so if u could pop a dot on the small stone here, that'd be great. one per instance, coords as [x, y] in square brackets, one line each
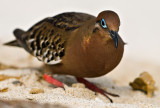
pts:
[4, 90]
[144, 83]
[4, 77]
[17, 83]
[78, 85]
[29, 98]
[36, 91]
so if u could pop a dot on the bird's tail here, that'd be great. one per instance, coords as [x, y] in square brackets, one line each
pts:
[18, 33]
[12, 43]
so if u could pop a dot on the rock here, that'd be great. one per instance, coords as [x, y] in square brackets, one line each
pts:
[144, 83]
[36, 91]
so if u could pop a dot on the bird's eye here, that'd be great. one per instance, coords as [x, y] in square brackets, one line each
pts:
[103, 24]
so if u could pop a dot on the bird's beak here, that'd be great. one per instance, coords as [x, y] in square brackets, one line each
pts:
[114, 36]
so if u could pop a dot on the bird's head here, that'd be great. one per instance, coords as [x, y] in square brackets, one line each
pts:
[108, 22]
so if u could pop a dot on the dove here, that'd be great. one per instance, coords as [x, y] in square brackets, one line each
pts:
[74, 43]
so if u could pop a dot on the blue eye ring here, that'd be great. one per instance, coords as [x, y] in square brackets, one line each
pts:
[103, 24]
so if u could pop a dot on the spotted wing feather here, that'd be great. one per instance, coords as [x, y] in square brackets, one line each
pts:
[47, 39]
[45, 44]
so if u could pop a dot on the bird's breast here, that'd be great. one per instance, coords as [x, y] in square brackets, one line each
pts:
[90, 58]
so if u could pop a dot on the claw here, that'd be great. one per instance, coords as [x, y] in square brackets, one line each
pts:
[114, 95]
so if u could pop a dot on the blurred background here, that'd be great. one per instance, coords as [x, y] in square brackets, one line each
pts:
[140, 20]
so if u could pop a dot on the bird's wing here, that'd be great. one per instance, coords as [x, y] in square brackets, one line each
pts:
[46, 39]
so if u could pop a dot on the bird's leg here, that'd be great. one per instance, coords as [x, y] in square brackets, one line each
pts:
[53, 81]
[96, 89]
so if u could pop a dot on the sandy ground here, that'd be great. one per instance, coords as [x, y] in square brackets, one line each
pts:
[21, 81]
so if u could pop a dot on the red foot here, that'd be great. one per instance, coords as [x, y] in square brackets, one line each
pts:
[95, 88]
[53, 81]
